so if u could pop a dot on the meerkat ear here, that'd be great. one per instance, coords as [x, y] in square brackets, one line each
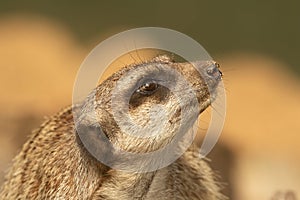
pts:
[93, 138]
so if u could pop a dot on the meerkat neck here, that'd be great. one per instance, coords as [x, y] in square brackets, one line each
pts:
[126, 185]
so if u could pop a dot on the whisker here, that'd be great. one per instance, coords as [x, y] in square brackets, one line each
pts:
[217, 111]
[137, 53]
[225, 70]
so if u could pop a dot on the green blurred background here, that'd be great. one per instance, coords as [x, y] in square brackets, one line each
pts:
[267, 27]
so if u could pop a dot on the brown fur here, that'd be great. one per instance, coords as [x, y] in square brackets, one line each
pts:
[54, 164]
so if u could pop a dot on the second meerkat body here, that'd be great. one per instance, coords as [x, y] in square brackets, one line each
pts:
[55, 164]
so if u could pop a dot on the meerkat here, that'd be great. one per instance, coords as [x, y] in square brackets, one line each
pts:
[55, 164]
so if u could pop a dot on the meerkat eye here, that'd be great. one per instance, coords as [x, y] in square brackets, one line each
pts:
[148, 88]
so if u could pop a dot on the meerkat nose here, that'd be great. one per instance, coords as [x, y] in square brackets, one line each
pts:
[213, 71]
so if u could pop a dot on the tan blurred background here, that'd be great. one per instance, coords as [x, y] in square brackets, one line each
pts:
[43, 44]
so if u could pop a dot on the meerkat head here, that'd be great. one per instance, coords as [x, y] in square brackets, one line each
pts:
[144, 107]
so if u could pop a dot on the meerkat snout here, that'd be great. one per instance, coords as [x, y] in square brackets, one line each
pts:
[213, 71]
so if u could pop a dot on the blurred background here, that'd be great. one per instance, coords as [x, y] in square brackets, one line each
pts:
[42, 45]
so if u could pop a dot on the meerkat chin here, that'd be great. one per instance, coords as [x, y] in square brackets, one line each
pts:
[139, 109]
